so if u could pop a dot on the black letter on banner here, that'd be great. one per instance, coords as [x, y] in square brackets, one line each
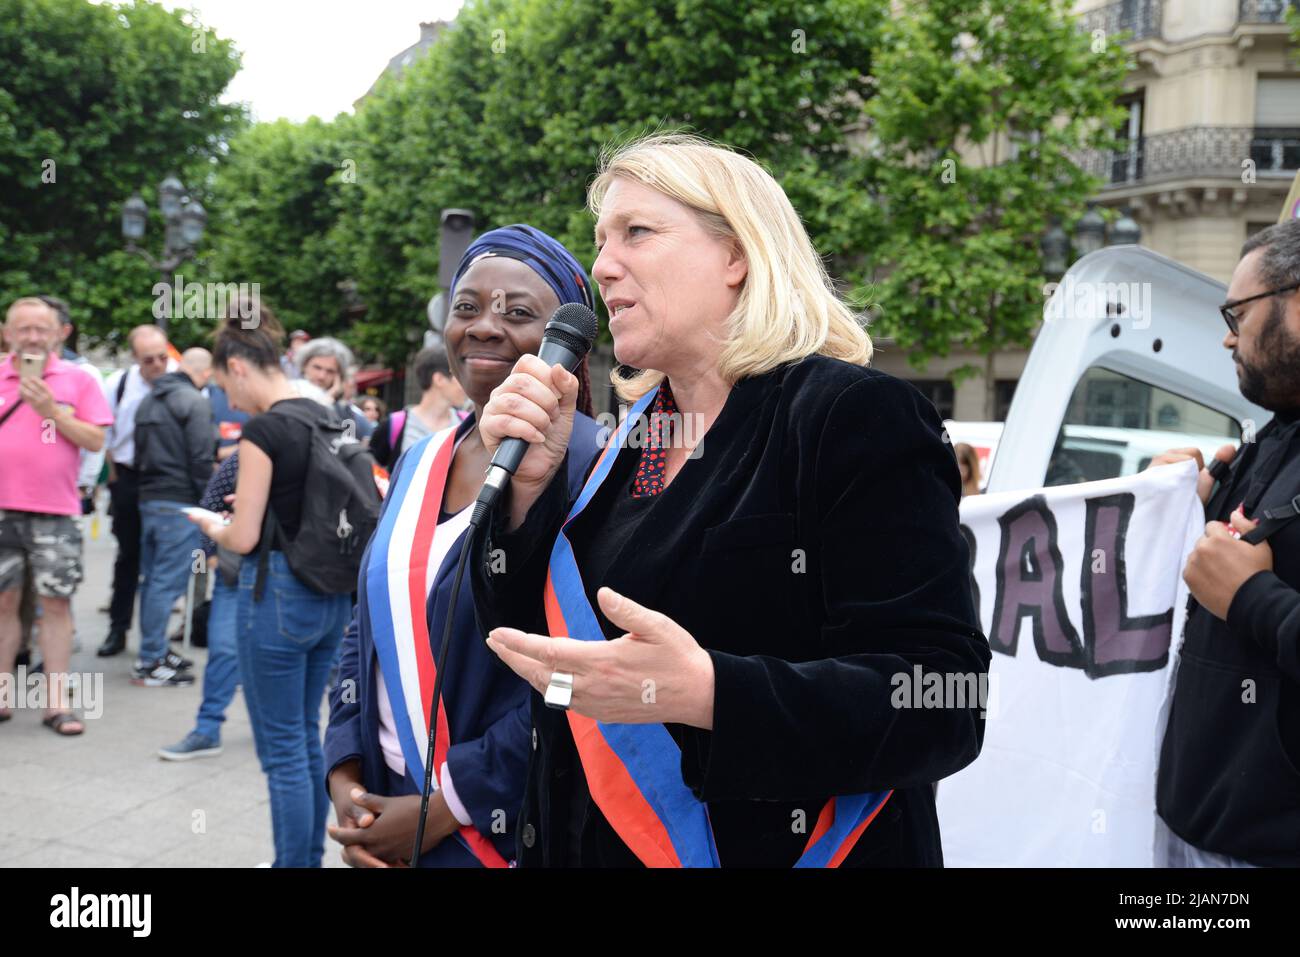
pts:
[1116, 643]
[967, 534]
[1029, 582]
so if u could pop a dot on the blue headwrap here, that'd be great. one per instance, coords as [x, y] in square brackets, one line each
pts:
[546, 257]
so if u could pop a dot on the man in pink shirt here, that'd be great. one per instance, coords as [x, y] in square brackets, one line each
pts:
[45, 421]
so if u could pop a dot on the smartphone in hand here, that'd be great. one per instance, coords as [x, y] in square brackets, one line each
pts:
[31, 366]
[196, 515]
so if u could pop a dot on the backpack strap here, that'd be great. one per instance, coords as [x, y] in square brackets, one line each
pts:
[121, 387]
[11, 410]
[396, 426]
[1272, 519]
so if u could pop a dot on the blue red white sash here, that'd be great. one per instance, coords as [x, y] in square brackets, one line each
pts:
[398, 579]
[634, 770]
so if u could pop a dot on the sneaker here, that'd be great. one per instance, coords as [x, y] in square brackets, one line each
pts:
[195, 745]
[176, 662]
[159, 675]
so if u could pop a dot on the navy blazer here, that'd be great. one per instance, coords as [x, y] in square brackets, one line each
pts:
[487, 704]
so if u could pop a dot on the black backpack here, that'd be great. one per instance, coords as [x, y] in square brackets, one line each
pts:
[340, 509]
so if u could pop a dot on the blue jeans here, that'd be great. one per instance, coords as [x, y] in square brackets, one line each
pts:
[221, 673]
[168, 542]
[287, 642]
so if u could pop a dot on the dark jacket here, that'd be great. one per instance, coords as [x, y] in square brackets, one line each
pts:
[487, 704]
[847, 465]
[1229, 779]
[386, 452]
[175, 446]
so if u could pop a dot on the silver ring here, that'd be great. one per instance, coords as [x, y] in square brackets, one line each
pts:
[559, 692]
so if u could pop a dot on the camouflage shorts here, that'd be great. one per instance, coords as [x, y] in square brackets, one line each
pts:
[49, 544]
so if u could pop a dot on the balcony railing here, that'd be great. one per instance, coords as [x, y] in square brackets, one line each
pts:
[1140, 19]
[1263, 11]
[1198, 151]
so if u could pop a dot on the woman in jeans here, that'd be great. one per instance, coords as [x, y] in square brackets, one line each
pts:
[288, 639]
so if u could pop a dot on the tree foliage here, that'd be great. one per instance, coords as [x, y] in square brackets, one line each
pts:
[926, 145]
[98, 102]
[508, 113]
[275, 200]
[979, 109]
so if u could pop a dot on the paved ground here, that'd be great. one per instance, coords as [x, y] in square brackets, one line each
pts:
[105, 798]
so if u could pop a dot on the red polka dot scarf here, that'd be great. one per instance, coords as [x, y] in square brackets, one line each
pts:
[662, 418]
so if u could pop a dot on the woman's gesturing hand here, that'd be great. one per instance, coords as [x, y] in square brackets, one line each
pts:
[536, 403]
[656, 672]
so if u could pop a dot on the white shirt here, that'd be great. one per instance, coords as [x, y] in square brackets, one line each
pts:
[416, 428]
[92, 463]
[119, 443]
[444, 536]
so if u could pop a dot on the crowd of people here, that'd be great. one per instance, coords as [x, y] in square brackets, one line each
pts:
[660, 684]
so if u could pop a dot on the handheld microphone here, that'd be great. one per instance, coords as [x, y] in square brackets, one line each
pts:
[567, 338]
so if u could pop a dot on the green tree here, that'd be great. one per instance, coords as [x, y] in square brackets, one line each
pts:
[274, 202]
[98, 102]
[507, 115]
[979, 108]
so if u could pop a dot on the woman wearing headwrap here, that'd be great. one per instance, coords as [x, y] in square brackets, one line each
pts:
[505, 289]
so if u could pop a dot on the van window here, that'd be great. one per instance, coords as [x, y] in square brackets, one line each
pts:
[1115, 424]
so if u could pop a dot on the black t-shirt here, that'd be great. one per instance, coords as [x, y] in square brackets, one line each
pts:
[286, 441]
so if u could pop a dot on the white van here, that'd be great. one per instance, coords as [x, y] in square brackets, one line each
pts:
[1129, 362]
[1088, 453]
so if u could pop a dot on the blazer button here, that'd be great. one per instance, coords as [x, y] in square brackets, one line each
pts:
[534, 739]
[529, 835]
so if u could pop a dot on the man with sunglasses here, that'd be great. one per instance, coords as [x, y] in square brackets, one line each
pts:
[1228, 788]
[125, 391]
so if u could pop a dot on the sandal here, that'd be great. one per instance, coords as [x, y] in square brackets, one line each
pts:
[58, 722]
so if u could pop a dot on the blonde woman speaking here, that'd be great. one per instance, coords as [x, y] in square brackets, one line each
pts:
[769, 545]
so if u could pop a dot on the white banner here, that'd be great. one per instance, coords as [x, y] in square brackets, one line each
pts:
[1081, 595]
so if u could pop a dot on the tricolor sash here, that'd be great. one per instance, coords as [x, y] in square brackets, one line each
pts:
[398, 579]
[634, 770]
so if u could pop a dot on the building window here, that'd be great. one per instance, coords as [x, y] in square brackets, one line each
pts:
[1276, 143]
[1126, 162]
[1004, 390]
[940, 394]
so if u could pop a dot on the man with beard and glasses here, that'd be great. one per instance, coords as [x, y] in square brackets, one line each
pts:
[1228, 787]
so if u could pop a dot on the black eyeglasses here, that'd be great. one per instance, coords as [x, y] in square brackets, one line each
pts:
[1229, 309]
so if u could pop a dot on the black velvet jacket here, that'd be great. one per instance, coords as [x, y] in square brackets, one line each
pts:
[813, 549]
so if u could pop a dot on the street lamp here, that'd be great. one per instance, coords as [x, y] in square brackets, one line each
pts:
[1055, 246]
[134, 214]
[1125, 230]
[185, 220]
[1089, 232]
